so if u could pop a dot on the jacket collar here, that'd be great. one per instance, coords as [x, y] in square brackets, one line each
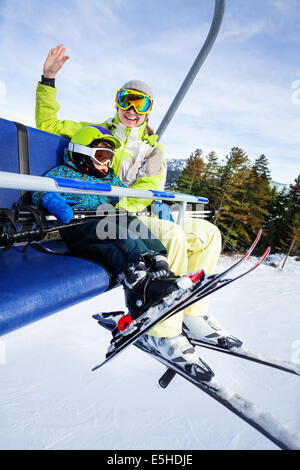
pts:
[68, 161]
[130, 133]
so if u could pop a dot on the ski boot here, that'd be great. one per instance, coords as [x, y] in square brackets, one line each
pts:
[146, 292]
[207, 329]
[181, 352]
[145, 288]
[158, 266]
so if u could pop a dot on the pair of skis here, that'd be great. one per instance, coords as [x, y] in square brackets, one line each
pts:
[246, 410]
[249, 412]
[243, 408]
[263, 422]
[201, 289]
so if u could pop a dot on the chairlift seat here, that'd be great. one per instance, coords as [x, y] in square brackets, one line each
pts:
[34, 284]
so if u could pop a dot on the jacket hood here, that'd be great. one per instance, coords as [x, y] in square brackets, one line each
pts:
[68, 161]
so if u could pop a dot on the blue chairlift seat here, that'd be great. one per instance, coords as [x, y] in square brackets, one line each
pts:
[34, 284]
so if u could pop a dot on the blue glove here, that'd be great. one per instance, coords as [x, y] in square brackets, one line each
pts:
[58, 206]
[163, 211]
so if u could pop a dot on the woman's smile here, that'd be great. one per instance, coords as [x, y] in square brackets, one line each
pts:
[130, 118]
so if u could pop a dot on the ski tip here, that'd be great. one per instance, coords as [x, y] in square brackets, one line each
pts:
[98, 366]
[266, 253]
[258, 235]
[104, 362]
[96, 316]
[252, 247]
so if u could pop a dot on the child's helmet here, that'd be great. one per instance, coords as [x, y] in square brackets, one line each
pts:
[86, 135]
[91, 136]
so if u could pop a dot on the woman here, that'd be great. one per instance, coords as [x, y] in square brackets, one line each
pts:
[138, 263]
[139, 163]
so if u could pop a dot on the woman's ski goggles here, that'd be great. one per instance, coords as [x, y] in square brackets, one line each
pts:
[141, 102]
[101, 155]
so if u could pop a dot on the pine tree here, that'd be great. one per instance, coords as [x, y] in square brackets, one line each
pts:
[276, 225]
[190, 179]
[258, 195]
[232, 210]
[283, 224]
[210, 182]
[292, 218]
[294, 197]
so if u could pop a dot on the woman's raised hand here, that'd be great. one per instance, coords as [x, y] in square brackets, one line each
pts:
[54, 62]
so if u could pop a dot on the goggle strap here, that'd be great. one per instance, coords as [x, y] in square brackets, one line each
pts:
[81, 149]
[89, 151]
[135, 92]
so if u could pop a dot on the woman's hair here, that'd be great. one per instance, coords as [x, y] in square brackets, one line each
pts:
[148, 129]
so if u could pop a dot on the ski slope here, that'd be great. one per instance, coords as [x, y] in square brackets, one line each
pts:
[50, 399]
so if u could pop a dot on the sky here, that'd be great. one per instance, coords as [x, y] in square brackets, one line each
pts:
[247, 94]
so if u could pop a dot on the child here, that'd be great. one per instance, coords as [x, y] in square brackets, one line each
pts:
[139, 263]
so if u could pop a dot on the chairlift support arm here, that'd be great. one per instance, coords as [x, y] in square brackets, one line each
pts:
[212, 35]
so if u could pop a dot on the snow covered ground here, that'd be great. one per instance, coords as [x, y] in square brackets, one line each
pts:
[50, 399]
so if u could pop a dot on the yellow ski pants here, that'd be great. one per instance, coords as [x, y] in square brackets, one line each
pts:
[196, 245]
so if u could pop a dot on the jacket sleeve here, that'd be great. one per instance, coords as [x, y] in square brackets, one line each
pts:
[46, 114]
[37, 196]
[152, 176]
[77, 201]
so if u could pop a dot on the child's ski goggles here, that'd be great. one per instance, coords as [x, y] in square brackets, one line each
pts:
[141, 102]
[101, 155]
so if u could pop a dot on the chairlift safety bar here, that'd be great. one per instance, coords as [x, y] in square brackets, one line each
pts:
[63, 185]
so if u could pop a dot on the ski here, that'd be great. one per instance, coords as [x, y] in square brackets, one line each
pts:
[243, 408]
[209, 285]
[263, 422]
[244, 353]
[168, 376]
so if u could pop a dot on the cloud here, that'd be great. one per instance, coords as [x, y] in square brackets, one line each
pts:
[279, 5]
[242, 31]
[251, 111]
